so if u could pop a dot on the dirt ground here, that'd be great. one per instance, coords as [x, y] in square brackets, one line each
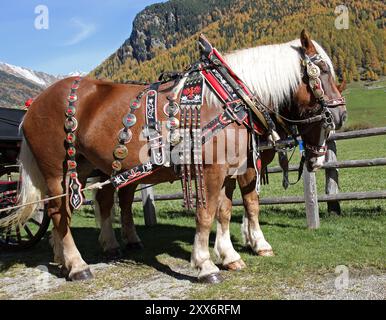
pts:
[127, 280]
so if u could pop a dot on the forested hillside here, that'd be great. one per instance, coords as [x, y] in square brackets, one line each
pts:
[357, 53]
[14, 91]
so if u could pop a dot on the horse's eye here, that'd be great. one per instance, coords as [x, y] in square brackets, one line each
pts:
[324, 67]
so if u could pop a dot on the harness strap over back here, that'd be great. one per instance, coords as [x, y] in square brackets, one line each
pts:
[222, 77]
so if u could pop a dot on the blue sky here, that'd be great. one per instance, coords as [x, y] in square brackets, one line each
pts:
[80, 36]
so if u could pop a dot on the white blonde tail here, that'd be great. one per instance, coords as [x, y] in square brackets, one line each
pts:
[32, 189]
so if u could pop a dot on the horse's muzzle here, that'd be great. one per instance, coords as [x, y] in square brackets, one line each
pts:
[315, 163]
[340, 118]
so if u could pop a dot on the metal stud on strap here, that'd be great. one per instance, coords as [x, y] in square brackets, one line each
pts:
[71, 152]
[313, 70]
[72, 98]
[70, 111]
[121, 152]
[125, 136]
[71, 138]
[135, 104]
[171, 109]
[129, 120]
[117, 165]
[172, 123]
[71, 124]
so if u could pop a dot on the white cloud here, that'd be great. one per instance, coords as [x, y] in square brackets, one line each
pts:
[85, 31]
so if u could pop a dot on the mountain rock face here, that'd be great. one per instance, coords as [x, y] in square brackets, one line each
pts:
[162, 26]
[164, 35]
[18, 84]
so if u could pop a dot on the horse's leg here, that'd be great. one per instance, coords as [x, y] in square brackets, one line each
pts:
[129, 233]
[65, 251]
[103, 211]
[223, 247]
[251, 228]
[208, 271]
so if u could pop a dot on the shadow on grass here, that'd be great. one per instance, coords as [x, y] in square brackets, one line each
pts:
[161, 239]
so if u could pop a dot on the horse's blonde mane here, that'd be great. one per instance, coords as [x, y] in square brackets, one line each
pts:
[272, 72]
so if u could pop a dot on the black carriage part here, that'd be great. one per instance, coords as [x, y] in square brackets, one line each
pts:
[10, 135]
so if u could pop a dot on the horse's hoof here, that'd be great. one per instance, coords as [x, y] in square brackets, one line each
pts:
[265, 253]
[112, 254]
[236, 266]
[64, 272]
[80, 276]
[135, 246]
[213, 278]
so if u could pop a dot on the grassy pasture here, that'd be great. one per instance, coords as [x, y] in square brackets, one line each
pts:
[366, 104]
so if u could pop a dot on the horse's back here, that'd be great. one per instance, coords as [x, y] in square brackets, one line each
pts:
[97, 107]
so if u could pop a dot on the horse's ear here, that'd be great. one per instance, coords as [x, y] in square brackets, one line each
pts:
[341, 87]
[307, 44]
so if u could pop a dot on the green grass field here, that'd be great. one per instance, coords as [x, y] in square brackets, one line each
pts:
[366, 104]
[355, 239]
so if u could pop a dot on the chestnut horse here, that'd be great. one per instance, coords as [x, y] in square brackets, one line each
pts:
[272, 65]
[100, 105]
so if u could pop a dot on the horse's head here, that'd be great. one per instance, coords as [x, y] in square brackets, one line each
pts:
[319, 100]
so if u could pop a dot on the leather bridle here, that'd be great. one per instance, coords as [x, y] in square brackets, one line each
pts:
[313, 72]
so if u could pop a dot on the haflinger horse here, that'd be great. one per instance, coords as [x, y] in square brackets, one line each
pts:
[98, 106]
[275, 74]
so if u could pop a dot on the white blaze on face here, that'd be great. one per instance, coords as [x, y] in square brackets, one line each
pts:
[320, 161]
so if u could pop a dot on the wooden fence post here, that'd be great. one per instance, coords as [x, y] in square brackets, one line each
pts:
[148, 205]
[332, 178]
[311, 199]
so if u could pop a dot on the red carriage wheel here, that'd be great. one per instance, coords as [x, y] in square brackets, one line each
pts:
[19, 237]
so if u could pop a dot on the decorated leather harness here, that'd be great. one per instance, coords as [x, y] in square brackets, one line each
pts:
[187, 136]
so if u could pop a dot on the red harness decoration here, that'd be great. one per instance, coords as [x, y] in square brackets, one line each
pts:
[28, 103]
[227, 93]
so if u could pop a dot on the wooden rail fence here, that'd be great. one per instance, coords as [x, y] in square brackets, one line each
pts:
[310, 197]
